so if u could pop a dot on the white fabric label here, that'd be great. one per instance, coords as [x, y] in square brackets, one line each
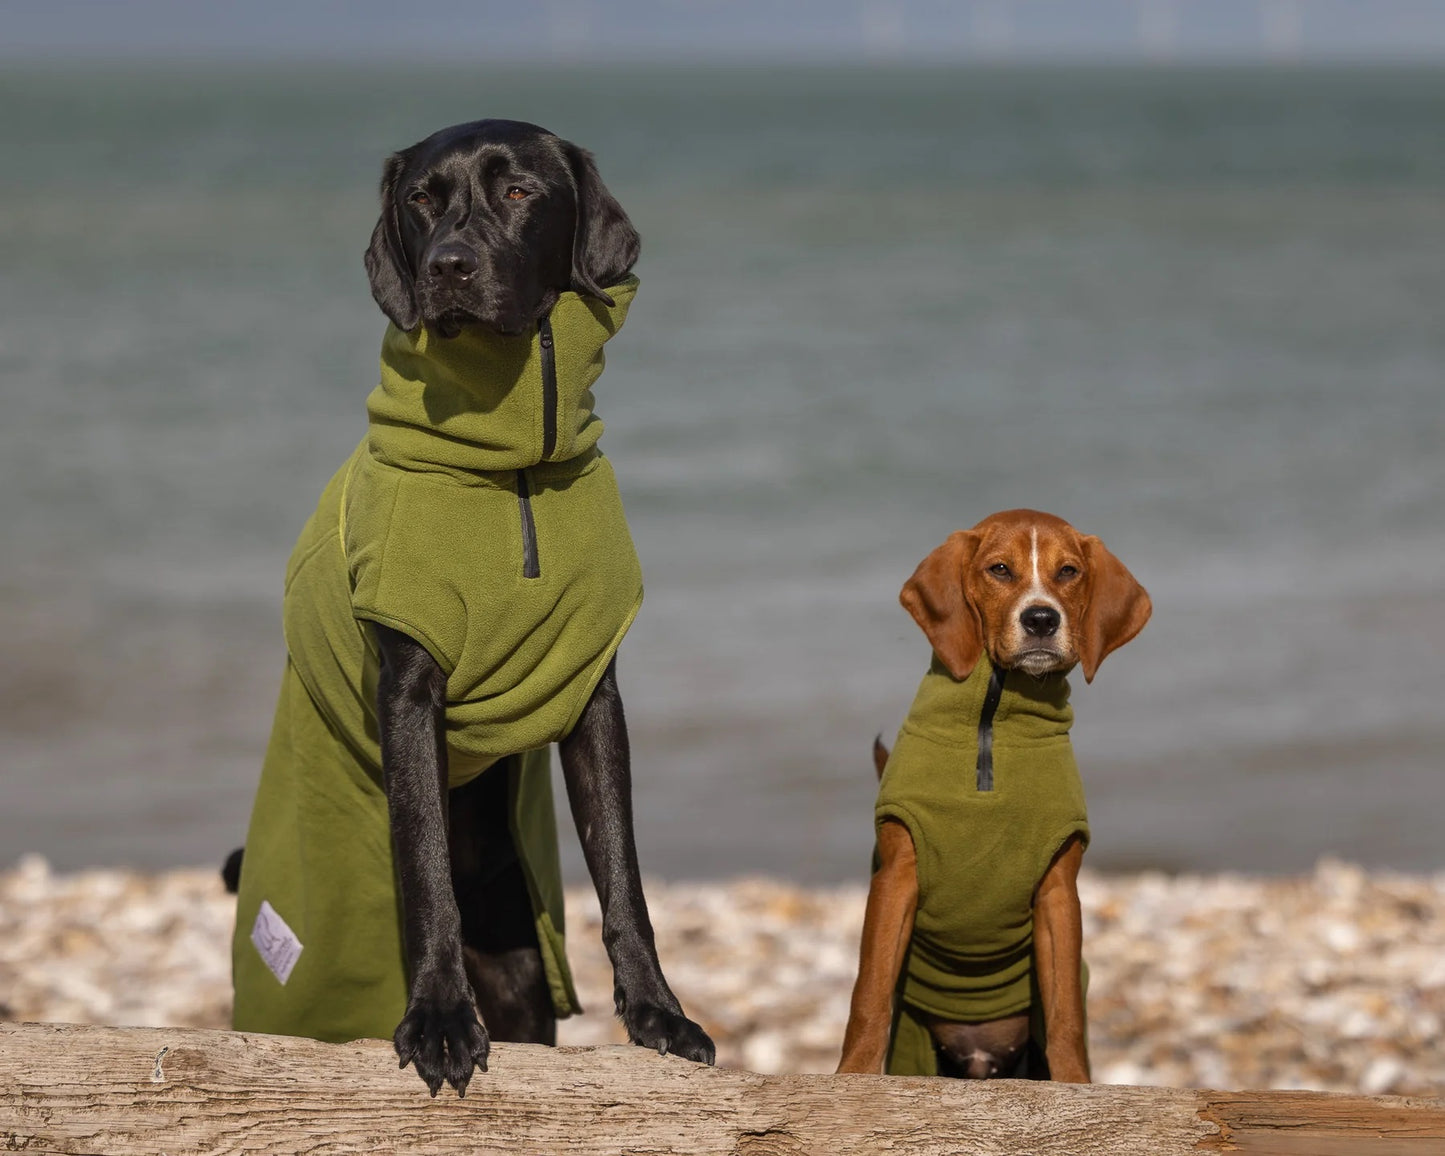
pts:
[276, 942]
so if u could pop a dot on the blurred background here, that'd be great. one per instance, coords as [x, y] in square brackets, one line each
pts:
[1172, 269]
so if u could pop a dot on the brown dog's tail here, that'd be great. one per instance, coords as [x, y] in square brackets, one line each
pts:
[880, 755]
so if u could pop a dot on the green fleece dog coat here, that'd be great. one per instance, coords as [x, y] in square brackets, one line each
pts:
[478, 517]
[982, 848]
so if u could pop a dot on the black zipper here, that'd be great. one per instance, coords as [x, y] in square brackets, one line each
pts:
[549, 388]
[531, 564]
[991, 699]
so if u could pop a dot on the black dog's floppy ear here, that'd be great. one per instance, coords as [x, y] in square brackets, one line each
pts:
[392, 283]
[605, 245]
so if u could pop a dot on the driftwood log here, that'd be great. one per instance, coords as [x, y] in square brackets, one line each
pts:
[117, 1091]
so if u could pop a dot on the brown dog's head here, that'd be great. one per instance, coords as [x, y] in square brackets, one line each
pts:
[1030, 590]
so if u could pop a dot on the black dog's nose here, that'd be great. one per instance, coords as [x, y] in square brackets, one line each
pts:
[1040, 621]
[454, 263]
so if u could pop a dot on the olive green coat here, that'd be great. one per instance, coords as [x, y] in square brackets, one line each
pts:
[981, 853]
[478, 517]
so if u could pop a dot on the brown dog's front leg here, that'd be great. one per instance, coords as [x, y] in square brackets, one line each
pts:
[440, 1031]
[887, 928]
[596, 764]
[1058, 954]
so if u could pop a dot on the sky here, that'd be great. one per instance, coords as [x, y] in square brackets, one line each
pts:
[725, 30]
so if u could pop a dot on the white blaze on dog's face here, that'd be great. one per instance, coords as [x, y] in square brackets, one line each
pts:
[1030, 590]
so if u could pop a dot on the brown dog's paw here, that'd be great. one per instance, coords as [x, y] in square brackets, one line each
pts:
[651, 1026]
[445, 1040]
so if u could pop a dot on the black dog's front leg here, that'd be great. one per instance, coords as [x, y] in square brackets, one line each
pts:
[596, 763]
[440, 1031]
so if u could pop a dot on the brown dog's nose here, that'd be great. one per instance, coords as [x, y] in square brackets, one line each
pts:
[452, 263]
[1039, 621]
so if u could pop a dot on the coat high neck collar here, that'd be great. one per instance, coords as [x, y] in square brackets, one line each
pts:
[1029, 709]
[480, 402]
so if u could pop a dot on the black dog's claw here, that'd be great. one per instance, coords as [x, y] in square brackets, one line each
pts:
[651, 1026]
[444, 1040]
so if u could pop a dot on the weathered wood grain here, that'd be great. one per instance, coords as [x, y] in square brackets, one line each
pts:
[1323, 1124]
[121, 1091]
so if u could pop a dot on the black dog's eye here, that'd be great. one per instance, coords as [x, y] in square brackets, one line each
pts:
[1000, 570]
[418, 197]
[516, 193]
[1067, 571]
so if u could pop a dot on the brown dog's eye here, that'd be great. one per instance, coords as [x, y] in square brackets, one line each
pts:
[516, 193]
[999, 569]
[1068, 572]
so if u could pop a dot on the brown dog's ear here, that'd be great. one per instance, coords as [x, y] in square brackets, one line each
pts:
[605, 246]
[392, 282]
[936, 599]
[1118, 607]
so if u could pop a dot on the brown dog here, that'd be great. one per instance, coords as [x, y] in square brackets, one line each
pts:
[972, 937]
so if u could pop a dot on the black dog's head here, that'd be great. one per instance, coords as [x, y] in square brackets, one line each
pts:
[486, 223]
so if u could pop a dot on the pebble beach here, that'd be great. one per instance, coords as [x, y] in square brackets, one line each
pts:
[1332, 981]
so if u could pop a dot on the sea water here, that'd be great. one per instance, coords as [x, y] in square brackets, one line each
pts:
[1198, 312]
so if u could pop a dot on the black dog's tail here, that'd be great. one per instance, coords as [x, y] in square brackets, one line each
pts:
[880, 760]
[231, 870]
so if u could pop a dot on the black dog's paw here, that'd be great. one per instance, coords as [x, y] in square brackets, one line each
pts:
[651, 1026]
[445, 1040]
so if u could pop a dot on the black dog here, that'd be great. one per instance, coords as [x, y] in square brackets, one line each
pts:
[486, 224]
